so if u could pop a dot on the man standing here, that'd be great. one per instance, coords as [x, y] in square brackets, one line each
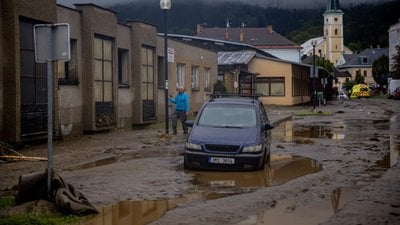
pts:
[182, 107]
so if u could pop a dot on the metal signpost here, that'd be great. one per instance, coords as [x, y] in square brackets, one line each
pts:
[51, 44]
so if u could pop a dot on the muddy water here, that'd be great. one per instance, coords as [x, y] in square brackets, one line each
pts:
[290, 131]
[212, 185]
[207, 186]
[291, 212]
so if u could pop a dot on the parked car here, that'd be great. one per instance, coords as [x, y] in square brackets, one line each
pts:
[360, 91]
[229, 133]
[392, 86]
[396, 93]
[342, 96]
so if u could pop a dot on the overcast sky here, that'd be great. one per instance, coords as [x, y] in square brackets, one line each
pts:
[276, 3]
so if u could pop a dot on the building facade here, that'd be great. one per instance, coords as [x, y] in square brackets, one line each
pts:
[394, 40]
[112, 80]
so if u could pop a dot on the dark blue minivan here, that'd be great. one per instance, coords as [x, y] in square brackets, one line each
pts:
[229, 133]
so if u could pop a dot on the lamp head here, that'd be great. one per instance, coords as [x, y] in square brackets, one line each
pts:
[314, 43]
[165, 4]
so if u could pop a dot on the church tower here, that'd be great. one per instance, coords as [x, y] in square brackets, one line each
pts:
[333, 31]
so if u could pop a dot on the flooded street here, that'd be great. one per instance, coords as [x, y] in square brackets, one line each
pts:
[321, 168]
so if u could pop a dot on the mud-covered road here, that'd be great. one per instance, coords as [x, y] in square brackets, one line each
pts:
[339, 169]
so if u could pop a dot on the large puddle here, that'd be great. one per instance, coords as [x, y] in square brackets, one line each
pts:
[207, 186]
[213, 185]
[307, 213]
[347, 129]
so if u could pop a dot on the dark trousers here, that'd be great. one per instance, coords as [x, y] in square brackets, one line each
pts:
[181, 115]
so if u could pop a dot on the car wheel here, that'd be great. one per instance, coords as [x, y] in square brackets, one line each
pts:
[185, 164]
[265, 159]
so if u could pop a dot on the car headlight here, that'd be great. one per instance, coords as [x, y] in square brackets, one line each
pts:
[193, 146]
[253, 148]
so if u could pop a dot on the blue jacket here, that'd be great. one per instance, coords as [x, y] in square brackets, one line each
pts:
[182, 102]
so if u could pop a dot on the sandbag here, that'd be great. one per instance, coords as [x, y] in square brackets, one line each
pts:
[67, 199]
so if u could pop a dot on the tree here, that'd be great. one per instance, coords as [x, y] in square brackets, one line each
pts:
[396, 64]
[380, 70]
[326, 64]
[359, 79]
[348, 85]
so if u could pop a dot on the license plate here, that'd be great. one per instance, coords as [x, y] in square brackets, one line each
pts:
[221, 160]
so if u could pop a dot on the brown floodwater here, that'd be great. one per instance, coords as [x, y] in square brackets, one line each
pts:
[213, 185]
[307, 213]
[206, 186]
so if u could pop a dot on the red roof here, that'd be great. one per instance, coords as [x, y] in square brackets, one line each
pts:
[260, 37]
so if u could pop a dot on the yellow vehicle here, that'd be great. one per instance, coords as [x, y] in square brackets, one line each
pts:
[359, 91]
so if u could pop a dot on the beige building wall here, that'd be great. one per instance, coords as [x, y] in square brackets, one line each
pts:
[365, 72]
[11, 12]
[95, 21]
[1, 72]
[143, 35]
[188, 56]
[70, 92]
[74, 81]
[272, 68]
[125, 90]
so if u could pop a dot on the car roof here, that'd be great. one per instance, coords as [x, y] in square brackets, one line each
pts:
[234, 100]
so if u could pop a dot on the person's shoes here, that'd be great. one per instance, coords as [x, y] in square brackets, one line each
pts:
[185, 132]
[174, 133]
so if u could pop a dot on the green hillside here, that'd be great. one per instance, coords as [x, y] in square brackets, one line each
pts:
[364, 25]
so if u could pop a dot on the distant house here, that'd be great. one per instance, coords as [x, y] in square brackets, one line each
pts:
[362, 64]
[245, 69]
[264, 38]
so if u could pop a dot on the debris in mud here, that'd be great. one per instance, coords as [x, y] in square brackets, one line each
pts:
[304, 141]
[8, 154]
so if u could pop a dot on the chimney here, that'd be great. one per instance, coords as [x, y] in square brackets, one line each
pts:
[241, 35]
[200, 28]
[226, 33]
[269, 28]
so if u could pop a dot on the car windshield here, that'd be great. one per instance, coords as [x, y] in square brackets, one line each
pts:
[228, 116]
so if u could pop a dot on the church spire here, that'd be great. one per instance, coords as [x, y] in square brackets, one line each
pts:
[333, 6]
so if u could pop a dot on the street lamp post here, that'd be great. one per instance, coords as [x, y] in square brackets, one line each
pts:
[165, 5]
[313, 43]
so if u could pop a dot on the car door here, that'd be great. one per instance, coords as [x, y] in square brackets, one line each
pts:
[265, 133]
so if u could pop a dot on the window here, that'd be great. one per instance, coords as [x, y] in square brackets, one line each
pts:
[147, 85]
[103, 69]
[207, 79]
[160, 71]
[123, 67]
[271, 86]
[180, 75]
[195, 78]
[365, 73]
[364, 60]
[147, 73]
[336, 32]
[67, 72]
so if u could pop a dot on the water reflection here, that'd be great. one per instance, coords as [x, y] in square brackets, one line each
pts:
[289, 131]
[282, 168]
[394, 140]
[207, 186]
[308, 213]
